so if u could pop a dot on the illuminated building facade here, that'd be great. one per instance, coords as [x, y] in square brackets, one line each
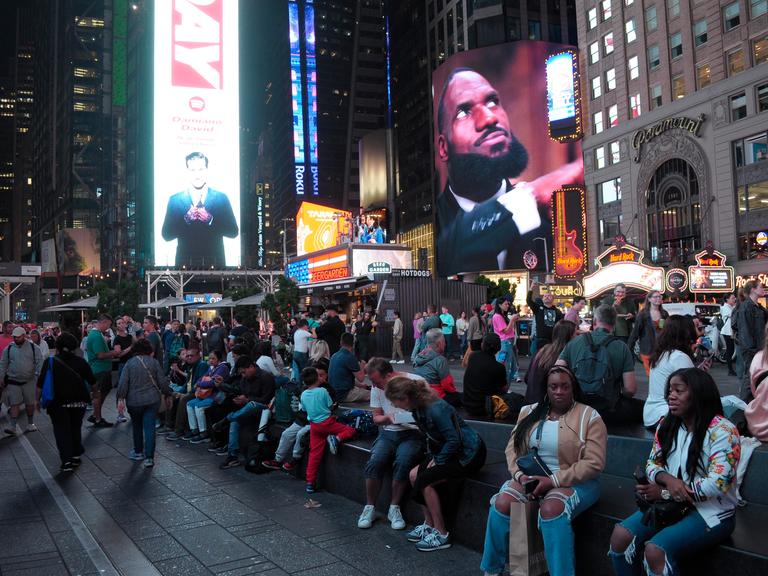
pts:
[7, 219]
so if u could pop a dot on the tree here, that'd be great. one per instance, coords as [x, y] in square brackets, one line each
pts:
[282, 304]
[249, 314]
[497, 289]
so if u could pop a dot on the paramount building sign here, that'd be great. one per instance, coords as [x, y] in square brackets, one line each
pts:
[645, 135]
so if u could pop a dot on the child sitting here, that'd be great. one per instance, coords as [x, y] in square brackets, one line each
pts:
[204, 388]
[291, 447]
[323, 427]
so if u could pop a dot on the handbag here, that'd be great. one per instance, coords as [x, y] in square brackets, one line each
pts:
[161, 407]
[662, 513]
[531, 464]
[46, 397]
[526, 545]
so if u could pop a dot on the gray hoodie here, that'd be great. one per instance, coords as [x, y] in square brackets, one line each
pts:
[21, 363]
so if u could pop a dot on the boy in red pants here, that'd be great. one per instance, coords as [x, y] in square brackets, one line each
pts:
[323, 427]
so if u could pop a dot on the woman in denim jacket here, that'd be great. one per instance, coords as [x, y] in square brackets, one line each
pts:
[454, 451]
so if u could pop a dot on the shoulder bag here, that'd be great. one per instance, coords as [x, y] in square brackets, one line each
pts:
[659, 514]
[531, 464]
[161, 407]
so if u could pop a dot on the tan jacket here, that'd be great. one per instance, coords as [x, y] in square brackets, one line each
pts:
[582, 442]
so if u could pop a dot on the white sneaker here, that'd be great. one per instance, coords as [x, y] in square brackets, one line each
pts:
[366, 518]
[395, 518]
[32, 428]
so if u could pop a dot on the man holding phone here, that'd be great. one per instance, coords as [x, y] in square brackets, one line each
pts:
[399, 445]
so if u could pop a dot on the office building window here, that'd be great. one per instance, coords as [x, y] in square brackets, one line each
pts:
[703, 76]
[651, 22]
[600, 157]
[731, 16]
[608, 43]
[760, 50]
[613, 116]
[615, 153]
[738, 107]
[609, 229]
[634, 106]
[609, 191]
[656, 96]
[534, 30]
[752, 249]
[606, 9]
[757, 8]
[676, 45]
[750, 150]
[673, 8]
[592, 18]
[753, 196]
[597, 122]
[629, 2]
[629, 27]
[678, 87]
[610, 79]
[634, 67]
[762, 98]
[735, 61]
[597, 89]
[654, 59]
[700, 32]
[594, 53]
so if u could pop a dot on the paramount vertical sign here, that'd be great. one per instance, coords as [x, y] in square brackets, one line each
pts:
[196, 110]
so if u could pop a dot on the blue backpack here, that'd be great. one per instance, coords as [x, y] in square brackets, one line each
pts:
[46, 397]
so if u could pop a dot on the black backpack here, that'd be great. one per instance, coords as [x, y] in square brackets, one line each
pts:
[595, 375]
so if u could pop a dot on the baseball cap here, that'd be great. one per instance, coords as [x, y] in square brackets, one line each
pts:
[18, 331]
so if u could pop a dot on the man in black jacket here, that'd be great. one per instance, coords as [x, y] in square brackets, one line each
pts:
[750, 318]
[331, 330]
[257, 390]
[486, 377]
[546, 316]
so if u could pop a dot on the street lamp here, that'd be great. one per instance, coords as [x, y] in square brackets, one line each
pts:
[546, 253]
[284, 233]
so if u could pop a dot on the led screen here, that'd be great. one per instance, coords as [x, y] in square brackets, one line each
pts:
[496, 166]
[379, 261]
[196, 134]
[562, 92]
[319, 227]
[329, 266]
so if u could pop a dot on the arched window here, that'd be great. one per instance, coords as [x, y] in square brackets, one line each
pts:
[673, 212]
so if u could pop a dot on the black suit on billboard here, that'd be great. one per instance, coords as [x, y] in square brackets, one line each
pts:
[471, 241]
[200, 244]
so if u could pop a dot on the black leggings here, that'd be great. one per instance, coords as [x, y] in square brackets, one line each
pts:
[67, 427]
[449, 477]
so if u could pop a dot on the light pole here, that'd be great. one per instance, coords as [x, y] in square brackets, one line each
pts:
[285, 235]
[546, 254]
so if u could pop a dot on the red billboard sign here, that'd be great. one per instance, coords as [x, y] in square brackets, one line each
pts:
[570, 232]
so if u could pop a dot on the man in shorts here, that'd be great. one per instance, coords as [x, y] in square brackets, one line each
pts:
[100, 358]
[20, 365]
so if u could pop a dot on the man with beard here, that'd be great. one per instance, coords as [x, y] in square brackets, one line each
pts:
[486, 221]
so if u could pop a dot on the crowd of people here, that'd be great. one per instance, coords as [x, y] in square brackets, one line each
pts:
[178, 382]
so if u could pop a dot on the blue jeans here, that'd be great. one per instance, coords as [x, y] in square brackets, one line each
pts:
[234, 424]
[685, 538]
[196, 412]
[556, 532]
[403, 450]
[508, 357]
[300, 361]
[143, 426]
[463, 343]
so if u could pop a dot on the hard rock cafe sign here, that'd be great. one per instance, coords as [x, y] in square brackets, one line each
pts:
[645, 135]
[623, 264]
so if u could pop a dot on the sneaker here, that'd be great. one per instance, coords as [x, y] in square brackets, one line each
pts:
[220, 425]
[32, 428]
[67, 467]
[16, 431]
[191, 434]
[417, 534]
[161, 430]
[367, 517]
[122, 418]
[215, 447]
[200, 438]
[433, 541]
[231, 462]
[272, 464]
[310, 488]
[491, 573]
[173, 436]
[75, 461]
[395, 518]
[289, 466]
[92, 418]
[222, 450]
[149, 462]
[102, 424]
[333, 444]
[133, 455]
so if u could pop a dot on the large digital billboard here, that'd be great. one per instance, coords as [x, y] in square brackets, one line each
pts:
[78, 251]
[496, 164]
[196, 134]
[330, 265]
[319, 227]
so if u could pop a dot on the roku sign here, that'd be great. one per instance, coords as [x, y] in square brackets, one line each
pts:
[197, 44]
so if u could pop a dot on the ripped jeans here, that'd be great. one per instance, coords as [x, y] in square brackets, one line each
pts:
[685, 538]
[556, 532]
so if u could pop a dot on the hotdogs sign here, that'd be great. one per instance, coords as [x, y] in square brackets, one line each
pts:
[645, 135]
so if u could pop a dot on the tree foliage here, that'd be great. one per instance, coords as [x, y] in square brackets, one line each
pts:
[497, 289]
[283, 303]
[249, 314]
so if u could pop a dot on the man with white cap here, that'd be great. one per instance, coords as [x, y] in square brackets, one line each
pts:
[20, 365]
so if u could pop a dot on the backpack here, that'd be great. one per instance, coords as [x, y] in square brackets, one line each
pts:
[360, 420]
[283, 406]
[595, 376]
[176, 345]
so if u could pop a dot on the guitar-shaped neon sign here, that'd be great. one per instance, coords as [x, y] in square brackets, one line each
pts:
[569, 258]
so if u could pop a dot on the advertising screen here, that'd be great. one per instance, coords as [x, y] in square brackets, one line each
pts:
[329, 266]
[196, 134]
[78, 251]
[379, 261]
[319, 227]
[496, 164]
[562, 96]
[570, 232]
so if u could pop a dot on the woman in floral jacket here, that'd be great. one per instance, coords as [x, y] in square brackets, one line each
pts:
[694, 459]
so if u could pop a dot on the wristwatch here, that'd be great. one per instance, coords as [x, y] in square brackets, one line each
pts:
[665, 495]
